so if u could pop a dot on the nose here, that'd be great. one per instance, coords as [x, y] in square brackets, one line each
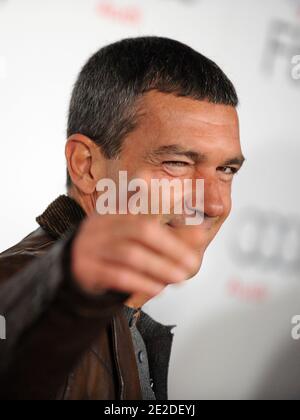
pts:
[213, 202]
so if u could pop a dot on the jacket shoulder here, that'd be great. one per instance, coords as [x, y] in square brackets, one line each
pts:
[17, 257]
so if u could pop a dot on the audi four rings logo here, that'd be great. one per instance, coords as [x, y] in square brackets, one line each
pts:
[267, 240]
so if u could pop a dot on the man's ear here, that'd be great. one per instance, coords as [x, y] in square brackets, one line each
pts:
[84, 162]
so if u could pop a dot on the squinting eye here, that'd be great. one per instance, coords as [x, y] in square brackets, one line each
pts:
[228, 170]
[176, 163]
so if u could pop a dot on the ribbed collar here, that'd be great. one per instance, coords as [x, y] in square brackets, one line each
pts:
[61, 216]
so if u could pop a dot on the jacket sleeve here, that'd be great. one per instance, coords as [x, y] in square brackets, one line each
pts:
[49, 325]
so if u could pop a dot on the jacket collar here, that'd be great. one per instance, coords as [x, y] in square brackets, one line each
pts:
[62, 216]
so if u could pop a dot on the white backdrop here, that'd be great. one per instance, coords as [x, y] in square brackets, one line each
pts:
[233, 335]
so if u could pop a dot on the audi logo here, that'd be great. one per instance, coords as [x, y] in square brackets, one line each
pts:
[269, 241]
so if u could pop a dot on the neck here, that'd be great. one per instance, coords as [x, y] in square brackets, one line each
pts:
[137, 301]
[86, 201]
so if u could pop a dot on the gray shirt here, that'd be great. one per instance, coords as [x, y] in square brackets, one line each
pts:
[140, 354]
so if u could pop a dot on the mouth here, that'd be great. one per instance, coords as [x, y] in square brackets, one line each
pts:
[169, 225]
[175, 222]
[208, 223]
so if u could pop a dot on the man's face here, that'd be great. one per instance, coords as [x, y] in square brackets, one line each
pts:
[186, 139]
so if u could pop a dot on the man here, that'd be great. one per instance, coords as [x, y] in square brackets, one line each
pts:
[72, 291]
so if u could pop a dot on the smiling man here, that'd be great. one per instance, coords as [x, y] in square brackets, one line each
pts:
[73, 290]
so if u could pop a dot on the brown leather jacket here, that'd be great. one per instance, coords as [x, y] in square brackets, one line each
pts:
[60, 343]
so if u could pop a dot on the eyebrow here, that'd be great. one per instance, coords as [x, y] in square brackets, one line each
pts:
[239, 160]
[197, 157]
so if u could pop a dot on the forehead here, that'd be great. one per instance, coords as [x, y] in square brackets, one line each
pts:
[167, 119]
